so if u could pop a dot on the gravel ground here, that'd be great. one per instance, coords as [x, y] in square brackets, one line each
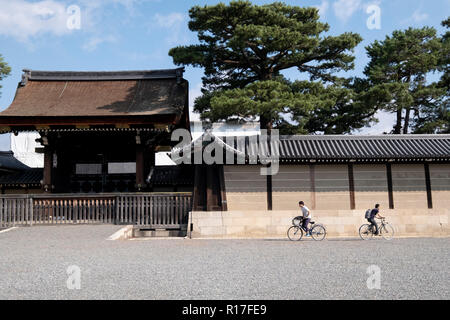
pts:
[33, 264]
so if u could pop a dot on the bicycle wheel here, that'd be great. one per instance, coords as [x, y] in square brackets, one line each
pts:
[318, 232]
[295, 233]
[387, 232]
[365, 232]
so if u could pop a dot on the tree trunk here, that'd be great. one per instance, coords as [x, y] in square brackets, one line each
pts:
[398, 126]
[406, 123]
[408, 113]
[266, 124]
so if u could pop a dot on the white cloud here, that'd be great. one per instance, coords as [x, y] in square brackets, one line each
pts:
[129, 5]
[26, 19]
[171, 20]
[175, 24]
[323, 8]
[344, 9]
[142, 57]
[93, 42]
[418, 16]
[22, 19]
[93, 11]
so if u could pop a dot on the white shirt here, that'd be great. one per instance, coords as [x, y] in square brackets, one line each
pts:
[305, 211]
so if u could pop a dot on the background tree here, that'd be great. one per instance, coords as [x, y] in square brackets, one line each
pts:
[445, 57]
[333, 109]
[4, 70]
[445, 80]
[437, 119]
[444, 64]
[242, 44]
[397, 75]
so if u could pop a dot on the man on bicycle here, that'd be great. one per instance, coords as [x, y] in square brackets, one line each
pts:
[306, 217]
[375, 213]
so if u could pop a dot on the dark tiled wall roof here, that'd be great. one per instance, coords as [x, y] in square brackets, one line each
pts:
[352, 147]
[8, 162]
[31, 176]
[366, 147]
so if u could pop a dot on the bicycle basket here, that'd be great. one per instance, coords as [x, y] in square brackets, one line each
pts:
[297, 221]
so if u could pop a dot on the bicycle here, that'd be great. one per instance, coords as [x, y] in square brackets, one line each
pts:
[295, 233]
[386, 230]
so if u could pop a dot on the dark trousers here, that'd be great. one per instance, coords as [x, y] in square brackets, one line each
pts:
[372, 222]
[305, 224]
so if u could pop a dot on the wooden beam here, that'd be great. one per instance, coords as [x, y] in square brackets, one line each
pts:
[42, 127]
[390, 186]
[161, 126]
[46, 122]
[163, 148]
[428, 185]
[351, 186]
[78, 126]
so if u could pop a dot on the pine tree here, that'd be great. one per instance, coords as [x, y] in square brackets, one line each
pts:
[5, 70]
[244, 47]
[397, 75]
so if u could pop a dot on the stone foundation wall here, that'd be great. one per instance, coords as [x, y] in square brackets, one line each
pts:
[339, 223]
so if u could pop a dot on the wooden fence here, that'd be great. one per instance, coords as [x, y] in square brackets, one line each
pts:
[165, 210]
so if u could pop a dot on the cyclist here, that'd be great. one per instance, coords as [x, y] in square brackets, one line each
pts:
[306, 217]
[375, 213]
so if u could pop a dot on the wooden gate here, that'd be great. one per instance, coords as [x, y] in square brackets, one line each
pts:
[153, 210]
[159, 211]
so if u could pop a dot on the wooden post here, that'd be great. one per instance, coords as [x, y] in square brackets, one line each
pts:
[30, 208]
[269, 192]
[209, 188]
[351, 186]
[390, 187]
[140, 179]
[223, 192]
[48, 164]
[312, 181]
[428, 185]
[197, 189]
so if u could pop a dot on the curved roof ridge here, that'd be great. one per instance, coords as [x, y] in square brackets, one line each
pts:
[364, 137]
[44, 75]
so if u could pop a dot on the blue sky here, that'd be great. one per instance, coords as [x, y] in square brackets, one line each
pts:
[137, 34]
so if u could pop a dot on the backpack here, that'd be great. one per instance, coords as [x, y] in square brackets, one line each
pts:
[368, 212]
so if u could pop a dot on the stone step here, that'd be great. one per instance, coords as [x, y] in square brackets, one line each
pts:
[159, 233]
